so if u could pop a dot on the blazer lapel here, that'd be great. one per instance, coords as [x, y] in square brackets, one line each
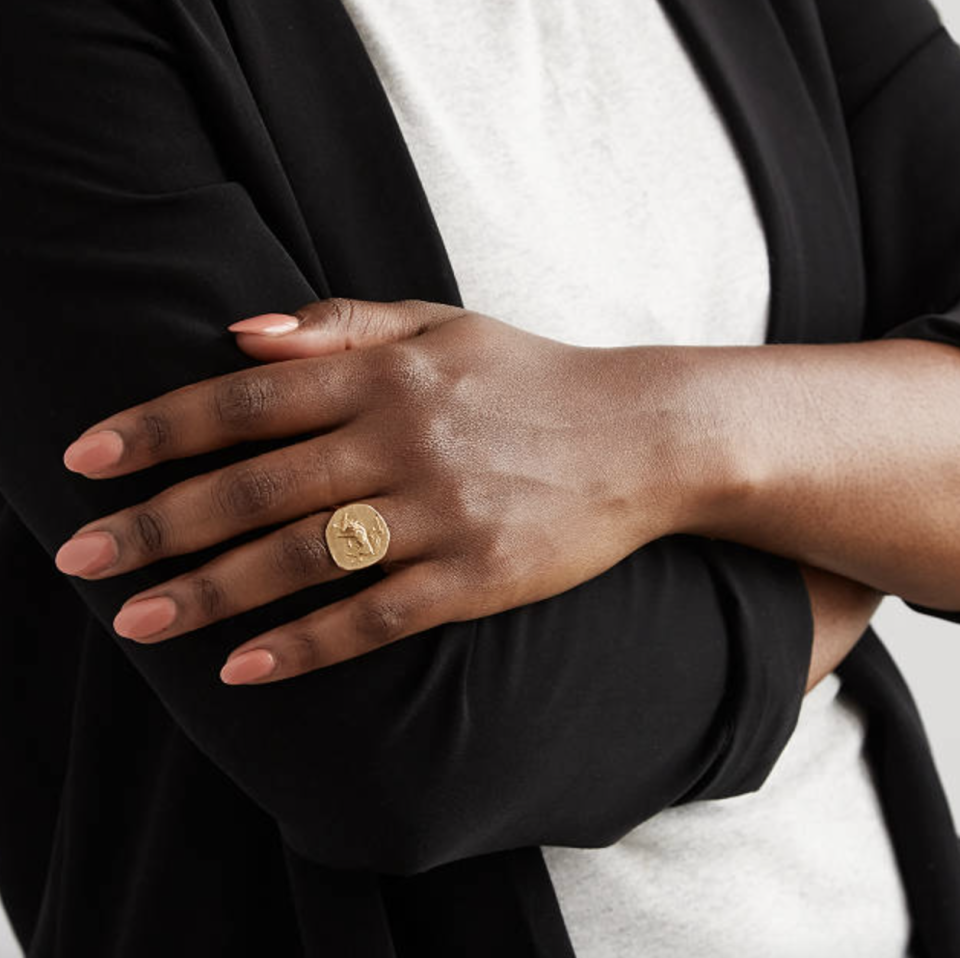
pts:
[325, 161]
[802, 182]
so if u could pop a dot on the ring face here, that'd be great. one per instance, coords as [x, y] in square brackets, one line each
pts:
[357, 536]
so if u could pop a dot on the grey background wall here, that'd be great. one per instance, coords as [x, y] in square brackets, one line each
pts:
[927, 650]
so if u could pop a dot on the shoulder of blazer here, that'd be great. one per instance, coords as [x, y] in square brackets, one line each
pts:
[865, 50]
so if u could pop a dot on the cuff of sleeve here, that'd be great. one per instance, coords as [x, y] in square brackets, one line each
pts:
[948, 614]
[938, 326]
[771, 647]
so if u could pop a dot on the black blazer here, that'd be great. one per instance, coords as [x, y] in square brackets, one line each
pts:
[169, 166]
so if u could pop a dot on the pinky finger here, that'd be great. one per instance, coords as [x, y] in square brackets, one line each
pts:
[410, 600]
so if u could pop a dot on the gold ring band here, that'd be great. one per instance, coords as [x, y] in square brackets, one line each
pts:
[357, 536]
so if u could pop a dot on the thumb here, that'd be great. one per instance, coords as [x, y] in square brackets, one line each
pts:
[335, 324]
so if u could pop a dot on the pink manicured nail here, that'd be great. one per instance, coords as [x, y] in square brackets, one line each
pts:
[87, 553]
[269, 324]
[145, 617]
[99, 450]
[248, 667]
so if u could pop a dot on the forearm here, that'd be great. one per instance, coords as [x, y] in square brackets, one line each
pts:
[846, 457]
[842, 610]
[678, 669]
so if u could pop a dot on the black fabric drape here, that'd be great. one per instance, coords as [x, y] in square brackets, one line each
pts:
[169, 167]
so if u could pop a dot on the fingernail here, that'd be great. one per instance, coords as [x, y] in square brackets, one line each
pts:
[248, 667]
[145, 617]
[99, 450]
[268, 324]
[87, 553]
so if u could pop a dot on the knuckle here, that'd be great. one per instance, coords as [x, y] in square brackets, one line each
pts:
[356, 321]
[423, 314]
[247, 491]
[302, 554]
[301, 650]
[210, 597]
[240, 401]
[376, 326]
[325, 467]
[341, 311]
[157, 432]
[491, 559]
[150, 532]
[378, 621]
[408, 369]
[490, 573]
[318, 465]
[501, 553]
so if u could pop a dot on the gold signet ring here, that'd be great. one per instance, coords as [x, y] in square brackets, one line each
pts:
[357, 536]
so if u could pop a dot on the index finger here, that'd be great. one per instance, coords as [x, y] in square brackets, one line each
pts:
[273, 400]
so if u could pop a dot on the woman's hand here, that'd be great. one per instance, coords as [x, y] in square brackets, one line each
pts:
[504, 463]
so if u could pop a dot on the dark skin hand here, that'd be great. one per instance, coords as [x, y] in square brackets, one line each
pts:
[461, 433]
[508, 466]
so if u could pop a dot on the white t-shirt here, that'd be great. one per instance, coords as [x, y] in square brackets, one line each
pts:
[586, 189]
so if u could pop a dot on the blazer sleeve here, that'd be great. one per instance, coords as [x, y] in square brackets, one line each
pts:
[898, 77]
[125, 250]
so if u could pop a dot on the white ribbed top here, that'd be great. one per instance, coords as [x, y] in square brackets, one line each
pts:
[586, 189]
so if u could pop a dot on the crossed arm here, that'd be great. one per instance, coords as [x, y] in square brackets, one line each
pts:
[465, 733]
[511, 468]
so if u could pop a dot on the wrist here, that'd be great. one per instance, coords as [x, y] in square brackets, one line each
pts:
[729, 458]
[688, 461]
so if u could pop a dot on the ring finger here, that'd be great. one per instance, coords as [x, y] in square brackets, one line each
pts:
[255, 573]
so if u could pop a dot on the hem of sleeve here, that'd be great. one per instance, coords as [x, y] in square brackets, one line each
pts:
[772, 644]
[938, 326]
